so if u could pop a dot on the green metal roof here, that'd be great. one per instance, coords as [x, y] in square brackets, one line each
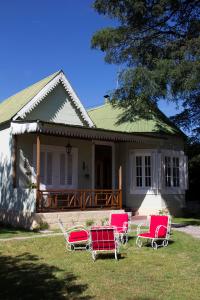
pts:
[10, 106]
[108, 117]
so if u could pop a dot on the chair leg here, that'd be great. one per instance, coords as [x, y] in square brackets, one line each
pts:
[70, 247]
[139, 242]
[94, 255]
[126, 238]
[154, 245]
[165, 243]
[116, 254]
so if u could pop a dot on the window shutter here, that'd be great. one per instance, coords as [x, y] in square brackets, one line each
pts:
[154, 170]
[159, 168]
[132, 172]
[183, 172]
[69, 169]
[49, 168]
[162, 178]
[62, 168]
[186, 171]
[42, 167]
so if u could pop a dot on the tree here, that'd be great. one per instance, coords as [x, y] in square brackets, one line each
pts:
[193, 153]
[158, 44]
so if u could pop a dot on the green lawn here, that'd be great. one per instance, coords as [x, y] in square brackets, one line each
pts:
[186, 221]
[9, 232]
[42, 269]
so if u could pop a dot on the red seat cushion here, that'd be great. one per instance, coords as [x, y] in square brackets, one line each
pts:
[146, 235]
[78, 236]
[103, 239]
[120, 221]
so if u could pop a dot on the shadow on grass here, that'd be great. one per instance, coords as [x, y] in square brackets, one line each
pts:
[23, 277]
[8, 229]
[105, 256]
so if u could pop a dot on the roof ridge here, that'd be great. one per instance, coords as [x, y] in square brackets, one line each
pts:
[97, 107]
[108, 117]
[10, 106]
[53, 75]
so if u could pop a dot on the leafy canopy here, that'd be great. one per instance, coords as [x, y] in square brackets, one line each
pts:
[158, 44]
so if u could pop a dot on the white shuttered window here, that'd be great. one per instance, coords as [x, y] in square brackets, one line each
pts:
[142, 171]
[152, 171]
[58, 169]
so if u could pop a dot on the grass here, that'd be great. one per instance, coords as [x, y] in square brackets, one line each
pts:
[11, 232]
[187, 221]
[43, 269]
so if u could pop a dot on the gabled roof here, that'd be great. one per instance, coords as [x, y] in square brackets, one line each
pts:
[18, 105]
[118, 119]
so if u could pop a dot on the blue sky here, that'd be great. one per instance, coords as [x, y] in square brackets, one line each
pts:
[41, 37]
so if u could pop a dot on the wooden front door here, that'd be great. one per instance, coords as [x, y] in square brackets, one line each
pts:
[103, 167]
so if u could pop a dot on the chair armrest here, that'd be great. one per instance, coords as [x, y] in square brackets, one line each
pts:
[77, 227]
[139, 227]
[126, 226]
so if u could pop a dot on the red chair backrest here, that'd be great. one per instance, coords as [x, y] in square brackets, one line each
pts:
[119, 220]
[156, 221]
[78, 236]
[103, 239]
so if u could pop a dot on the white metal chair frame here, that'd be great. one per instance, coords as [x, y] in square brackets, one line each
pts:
[117, 246]
[76, 245]
[123, 237]
[154, 240]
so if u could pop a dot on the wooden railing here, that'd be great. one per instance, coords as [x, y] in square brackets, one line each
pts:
[54, 200]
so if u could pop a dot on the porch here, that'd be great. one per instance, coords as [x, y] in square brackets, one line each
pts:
[69, 172]
[64, 200]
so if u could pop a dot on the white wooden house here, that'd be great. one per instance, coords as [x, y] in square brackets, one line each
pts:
[56, 156]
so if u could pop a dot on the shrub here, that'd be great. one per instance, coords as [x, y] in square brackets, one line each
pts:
[89, 222]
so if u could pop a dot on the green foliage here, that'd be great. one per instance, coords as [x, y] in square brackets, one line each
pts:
[158, 44]
[163, 212]
[89, 222]
[193, 152]
[41, 226]
[104, 221]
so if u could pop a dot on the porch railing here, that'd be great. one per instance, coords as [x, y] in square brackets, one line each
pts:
[53, 200]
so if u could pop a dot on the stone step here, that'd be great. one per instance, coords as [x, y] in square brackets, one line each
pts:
[73, 218]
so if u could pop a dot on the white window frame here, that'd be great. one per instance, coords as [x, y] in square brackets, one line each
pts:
[56, 151]
[183, 172]
[158, 171]
[134, 189]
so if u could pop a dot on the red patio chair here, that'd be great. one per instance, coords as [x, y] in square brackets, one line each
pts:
[103, 239]
[121, 224]
[159, 230]
[76, 237]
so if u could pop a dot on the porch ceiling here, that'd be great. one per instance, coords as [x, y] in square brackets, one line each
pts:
[56, 129]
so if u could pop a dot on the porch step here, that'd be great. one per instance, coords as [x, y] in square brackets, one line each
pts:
[72, 218]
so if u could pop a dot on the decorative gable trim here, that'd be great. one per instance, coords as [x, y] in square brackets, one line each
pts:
[75, 100]
[60, 78]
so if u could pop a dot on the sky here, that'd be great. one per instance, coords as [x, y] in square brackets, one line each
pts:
[40, 37]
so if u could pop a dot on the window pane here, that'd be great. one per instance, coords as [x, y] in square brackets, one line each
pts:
[49, 168]
[139, 171]
[167, 171]
[176, 177]
[42, 167]
[69, 169]
[147, 170]
[62, 168]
